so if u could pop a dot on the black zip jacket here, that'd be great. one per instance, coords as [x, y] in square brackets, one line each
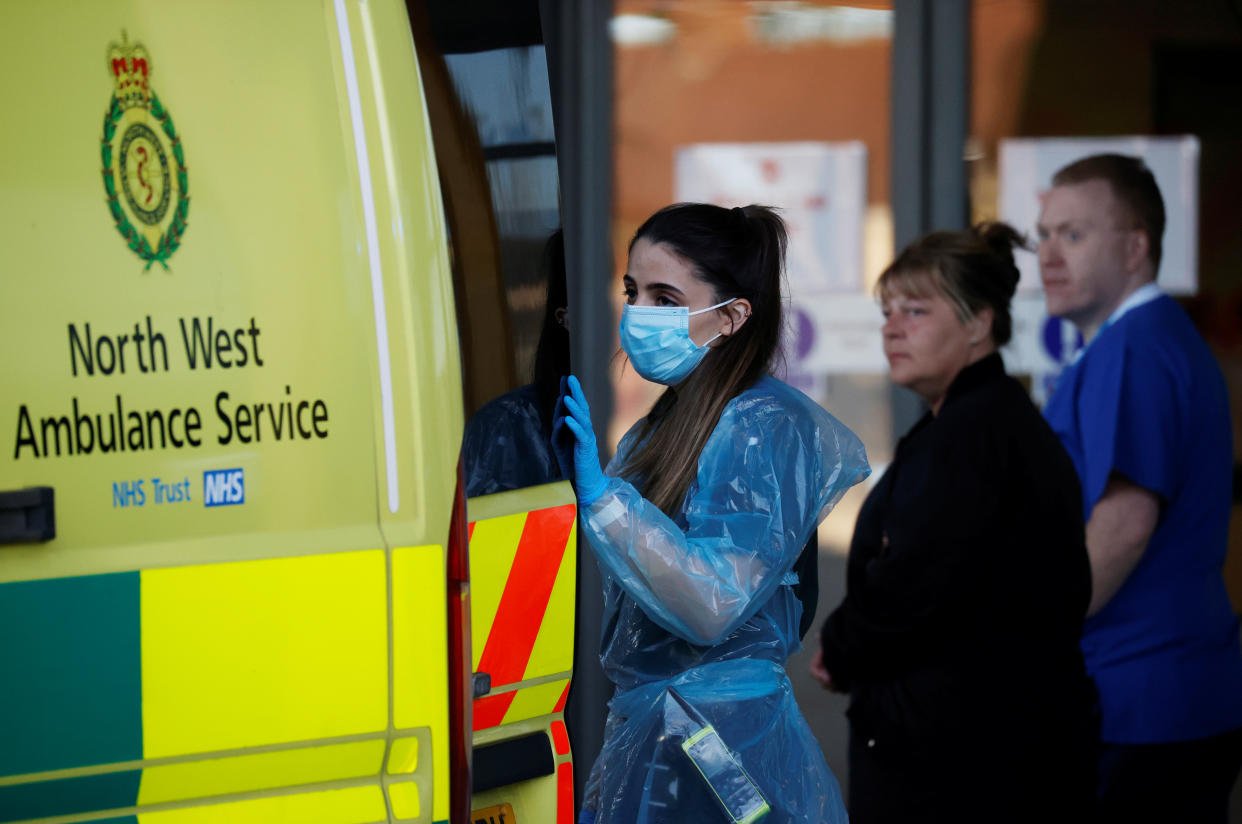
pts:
[968, 582]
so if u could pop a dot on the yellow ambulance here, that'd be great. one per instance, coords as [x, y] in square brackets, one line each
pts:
[235, 579]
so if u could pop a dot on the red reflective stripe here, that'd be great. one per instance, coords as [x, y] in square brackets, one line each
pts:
[490, 710]
[560, 705]
[470, 531]
[525, 599]
[565, 794]
[560, 737]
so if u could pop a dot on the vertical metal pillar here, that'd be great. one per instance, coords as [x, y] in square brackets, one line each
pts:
[579, 54]
[930, 119]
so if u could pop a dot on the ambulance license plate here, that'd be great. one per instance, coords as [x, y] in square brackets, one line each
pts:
[502, 814]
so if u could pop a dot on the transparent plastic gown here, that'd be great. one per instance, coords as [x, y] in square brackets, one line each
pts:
[700, 617]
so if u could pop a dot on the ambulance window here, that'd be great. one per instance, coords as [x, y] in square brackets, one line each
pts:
[505, 93]
[491, 112]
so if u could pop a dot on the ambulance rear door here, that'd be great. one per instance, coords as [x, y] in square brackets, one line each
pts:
[488, 94]
[231, 376]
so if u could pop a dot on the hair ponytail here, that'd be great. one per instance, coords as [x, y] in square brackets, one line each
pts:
[740, 253]
[1002, 239]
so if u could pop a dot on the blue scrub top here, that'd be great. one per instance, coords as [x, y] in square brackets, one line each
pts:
[1147, 400]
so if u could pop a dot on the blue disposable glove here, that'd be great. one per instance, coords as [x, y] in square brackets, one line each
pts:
[562, 438]
[589, 479]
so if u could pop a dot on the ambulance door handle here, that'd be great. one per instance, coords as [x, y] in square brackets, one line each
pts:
[482, 684]
[27, 515]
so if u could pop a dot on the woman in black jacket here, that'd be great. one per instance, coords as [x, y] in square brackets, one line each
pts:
[968, 577]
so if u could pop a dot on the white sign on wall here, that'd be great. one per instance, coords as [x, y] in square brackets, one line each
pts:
[820, 188]
[1043, 346]
[821, 191]
[1028, 164]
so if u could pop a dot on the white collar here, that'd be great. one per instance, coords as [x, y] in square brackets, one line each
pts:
[1144, 294]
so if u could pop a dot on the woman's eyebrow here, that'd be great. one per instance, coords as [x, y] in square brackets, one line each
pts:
[667, 287]
[628, 280]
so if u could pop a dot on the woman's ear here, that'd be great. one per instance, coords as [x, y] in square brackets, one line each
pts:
[980, 326]
[737, 313]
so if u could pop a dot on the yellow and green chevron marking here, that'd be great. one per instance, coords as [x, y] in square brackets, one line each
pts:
[261, 685]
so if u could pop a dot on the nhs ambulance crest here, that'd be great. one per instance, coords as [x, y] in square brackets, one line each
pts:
[144, 170]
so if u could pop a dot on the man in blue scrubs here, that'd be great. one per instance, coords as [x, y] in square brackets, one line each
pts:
[1144, 414]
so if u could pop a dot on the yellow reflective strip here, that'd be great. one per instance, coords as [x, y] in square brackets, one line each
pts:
[531, 702]
[263, 652]
[242, 773]
[352, 805]
[493, 546]
[526, 499]
[553, 650]
[404, 798]
[420, 656]
[404, 756]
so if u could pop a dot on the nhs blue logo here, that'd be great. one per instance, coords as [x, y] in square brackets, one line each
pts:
[224, 487]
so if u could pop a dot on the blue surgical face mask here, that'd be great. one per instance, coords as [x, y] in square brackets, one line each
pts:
[657, 341]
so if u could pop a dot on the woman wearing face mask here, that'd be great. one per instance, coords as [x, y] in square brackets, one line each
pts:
[968, 578]
[696, 525]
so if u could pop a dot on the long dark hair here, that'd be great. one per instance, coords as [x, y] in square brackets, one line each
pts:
[740, 253]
